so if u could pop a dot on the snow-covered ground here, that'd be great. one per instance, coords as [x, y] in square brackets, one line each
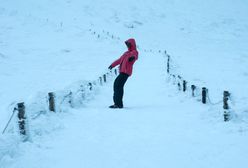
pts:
[54, 45]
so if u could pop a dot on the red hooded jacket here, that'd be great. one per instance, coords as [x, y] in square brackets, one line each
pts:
[125, 65]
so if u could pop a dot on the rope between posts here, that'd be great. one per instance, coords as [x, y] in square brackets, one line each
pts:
[198, 93]
[15, 109]
[65, 97]
[214, 104]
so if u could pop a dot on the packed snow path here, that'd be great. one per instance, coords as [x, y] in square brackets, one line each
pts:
[157, 128]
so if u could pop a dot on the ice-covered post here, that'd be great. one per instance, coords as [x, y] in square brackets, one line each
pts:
[168, 63]
[21, 118]
[204, 95]
[193, 87]
[226, 96]
[184, 85]
[51, 99]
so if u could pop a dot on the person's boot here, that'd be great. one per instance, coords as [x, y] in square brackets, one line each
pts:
[115, 106]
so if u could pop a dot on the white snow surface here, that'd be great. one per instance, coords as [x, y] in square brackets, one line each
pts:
[62, 45]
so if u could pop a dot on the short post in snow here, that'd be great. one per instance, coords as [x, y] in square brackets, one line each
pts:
[90, 85]
[168, 63]
[115, 71]
[184, 85]
[193, 87]
[179, 85]
[226, 96]
[204, 95]
[51, 99]
[100, 79]
[70, 101]
[105, 78]
[174, 79]
[21, 118]
[179, 82]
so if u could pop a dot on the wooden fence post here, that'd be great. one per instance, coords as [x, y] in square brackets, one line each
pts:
[90, 85]
[179, 82]
[193, 87]
[105, 78]
[174, 79]
[100, 79]
[226, 96]
[204, 95]
[51, 99]
[179, 85]
[184, 85]
[168, 64]
[22, 119]
[70, 101]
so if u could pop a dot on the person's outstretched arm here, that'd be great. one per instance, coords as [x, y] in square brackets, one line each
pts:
[115, 63]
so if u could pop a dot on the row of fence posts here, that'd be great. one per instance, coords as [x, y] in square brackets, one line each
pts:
[204, 91]
[21, 112]
[107, 33]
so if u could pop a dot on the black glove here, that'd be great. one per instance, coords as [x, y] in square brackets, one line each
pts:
[110, 67]
[130, 59]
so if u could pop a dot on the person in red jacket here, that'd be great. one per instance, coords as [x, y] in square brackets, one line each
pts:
[125, 62]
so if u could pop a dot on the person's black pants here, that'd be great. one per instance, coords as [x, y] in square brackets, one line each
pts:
[119, 88]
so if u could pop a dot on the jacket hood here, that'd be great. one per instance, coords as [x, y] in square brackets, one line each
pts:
[133, 44]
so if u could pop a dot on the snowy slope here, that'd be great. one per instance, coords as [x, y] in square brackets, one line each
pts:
[47, 46]
[157, 128]
[40, 40]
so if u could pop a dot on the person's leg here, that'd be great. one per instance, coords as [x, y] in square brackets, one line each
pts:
[119, 89]
[116, 86]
